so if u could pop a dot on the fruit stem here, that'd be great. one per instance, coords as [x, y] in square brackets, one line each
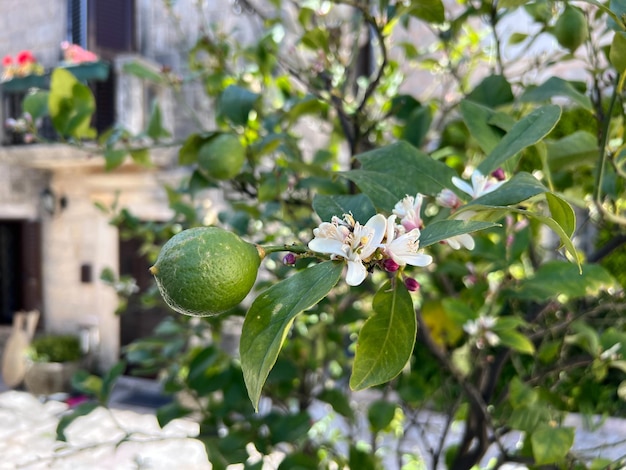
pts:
[290, 248]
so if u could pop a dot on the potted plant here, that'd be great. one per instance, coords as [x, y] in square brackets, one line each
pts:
[53, 360]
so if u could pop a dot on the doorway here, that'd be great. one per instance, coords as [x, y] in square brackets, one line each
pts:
[20, 268]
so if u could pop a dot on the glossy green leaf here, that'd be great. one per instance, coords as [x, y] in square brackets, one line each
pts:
[155, 129]
[36, 104]
[562, 213]
[550, 444]
[141, 157]
[67, 419]
[380, 414]
[170, 412]
[338, 400]
[572, 151]
[526, 132]
[617, 53]
[235, 104]
[477, 118]
[492, 92]
[431, 11]
[389, 173]
[71, 105]
[515, 340]
[362, 460]
[268, 321]
[553, 87]
[386, 339]
[519, 188]
[494, 213]
[110, 379]
[114, 158]
[443, 229]
[359, 205]
[521, 394]
[563, 278]
[143, 71]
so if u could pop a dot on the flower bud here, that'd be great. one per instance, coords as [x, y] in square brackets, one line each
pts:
[390, 265]
[411, 284]
[289, 259]
[498, 174]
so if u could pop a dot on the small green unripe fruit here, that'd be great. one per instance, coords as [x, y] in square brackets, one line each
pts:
[222, 157]
[571, 28]
[205, 271]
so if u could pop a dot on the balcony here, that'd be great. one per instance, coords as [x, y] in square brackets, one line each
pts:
[121, 98]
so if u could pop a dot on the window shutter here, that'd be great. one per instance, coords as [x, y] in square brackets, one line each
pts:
[112, 26]
[77, 22]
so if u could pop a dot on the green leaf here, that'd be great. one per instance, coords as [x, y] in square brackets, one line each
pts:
[155, 129]
[556, 86]
[188, 153]
[338, 400]
[114, 158]
[444, 229]
[71, 105]
[478, 119]
[235, 104]
[495, 213]
[170, 412]
[493, 91]
[512, 3]
[562, 213]
[521, 394]
[515, 340]
[431, 11]
[417, 125]
[551, 445]
[268, 321]
[141, 157]
[563, 278]
[519, 188]
[359, 205]
[386, 340]
[109, 379]
[528, 131]
[380, 414]
[81, 410]
[389, 173]
[362, 460]
[36, 104]
[572, 151]
[617, 54]
[143, 71]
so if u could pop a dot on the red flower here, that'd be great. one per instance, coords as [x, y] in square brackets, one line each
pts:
[7, 61]
[25, 57]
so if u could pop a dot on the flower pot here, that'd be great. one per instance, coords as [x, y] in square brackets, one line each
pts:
[46, 378]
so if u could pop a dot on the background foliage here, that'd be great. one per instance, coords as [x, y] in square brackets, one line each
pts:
[505, 339]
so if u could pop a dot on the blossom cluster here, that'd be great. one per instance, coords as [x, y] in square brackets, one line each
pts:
[23, 64]
[384, 243]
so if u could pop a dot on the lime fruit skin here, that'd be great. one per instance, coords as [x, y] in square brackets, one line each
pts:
[222, 157]
[205, 271]
[571, 28]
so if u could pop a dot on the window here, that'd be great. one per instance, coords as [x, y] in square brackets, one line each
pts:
[106, 27]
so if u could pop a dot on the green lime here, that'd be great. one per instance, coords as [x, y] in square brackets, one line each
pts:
[571, 29]
[204, 271]
[222, 157]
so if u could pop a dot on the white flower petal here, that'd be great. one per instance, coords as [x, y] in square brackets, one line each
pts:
[329, 246]
[356, 273]
[463, 185]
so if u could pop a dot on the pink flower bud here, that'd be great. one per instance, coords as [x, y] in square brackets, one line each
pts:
[499, 174]
[289, 259]
[390, 265]
[411, 284]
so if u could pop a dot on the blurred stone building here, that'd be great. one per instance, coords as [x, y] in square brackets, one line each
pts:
[54, 242]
